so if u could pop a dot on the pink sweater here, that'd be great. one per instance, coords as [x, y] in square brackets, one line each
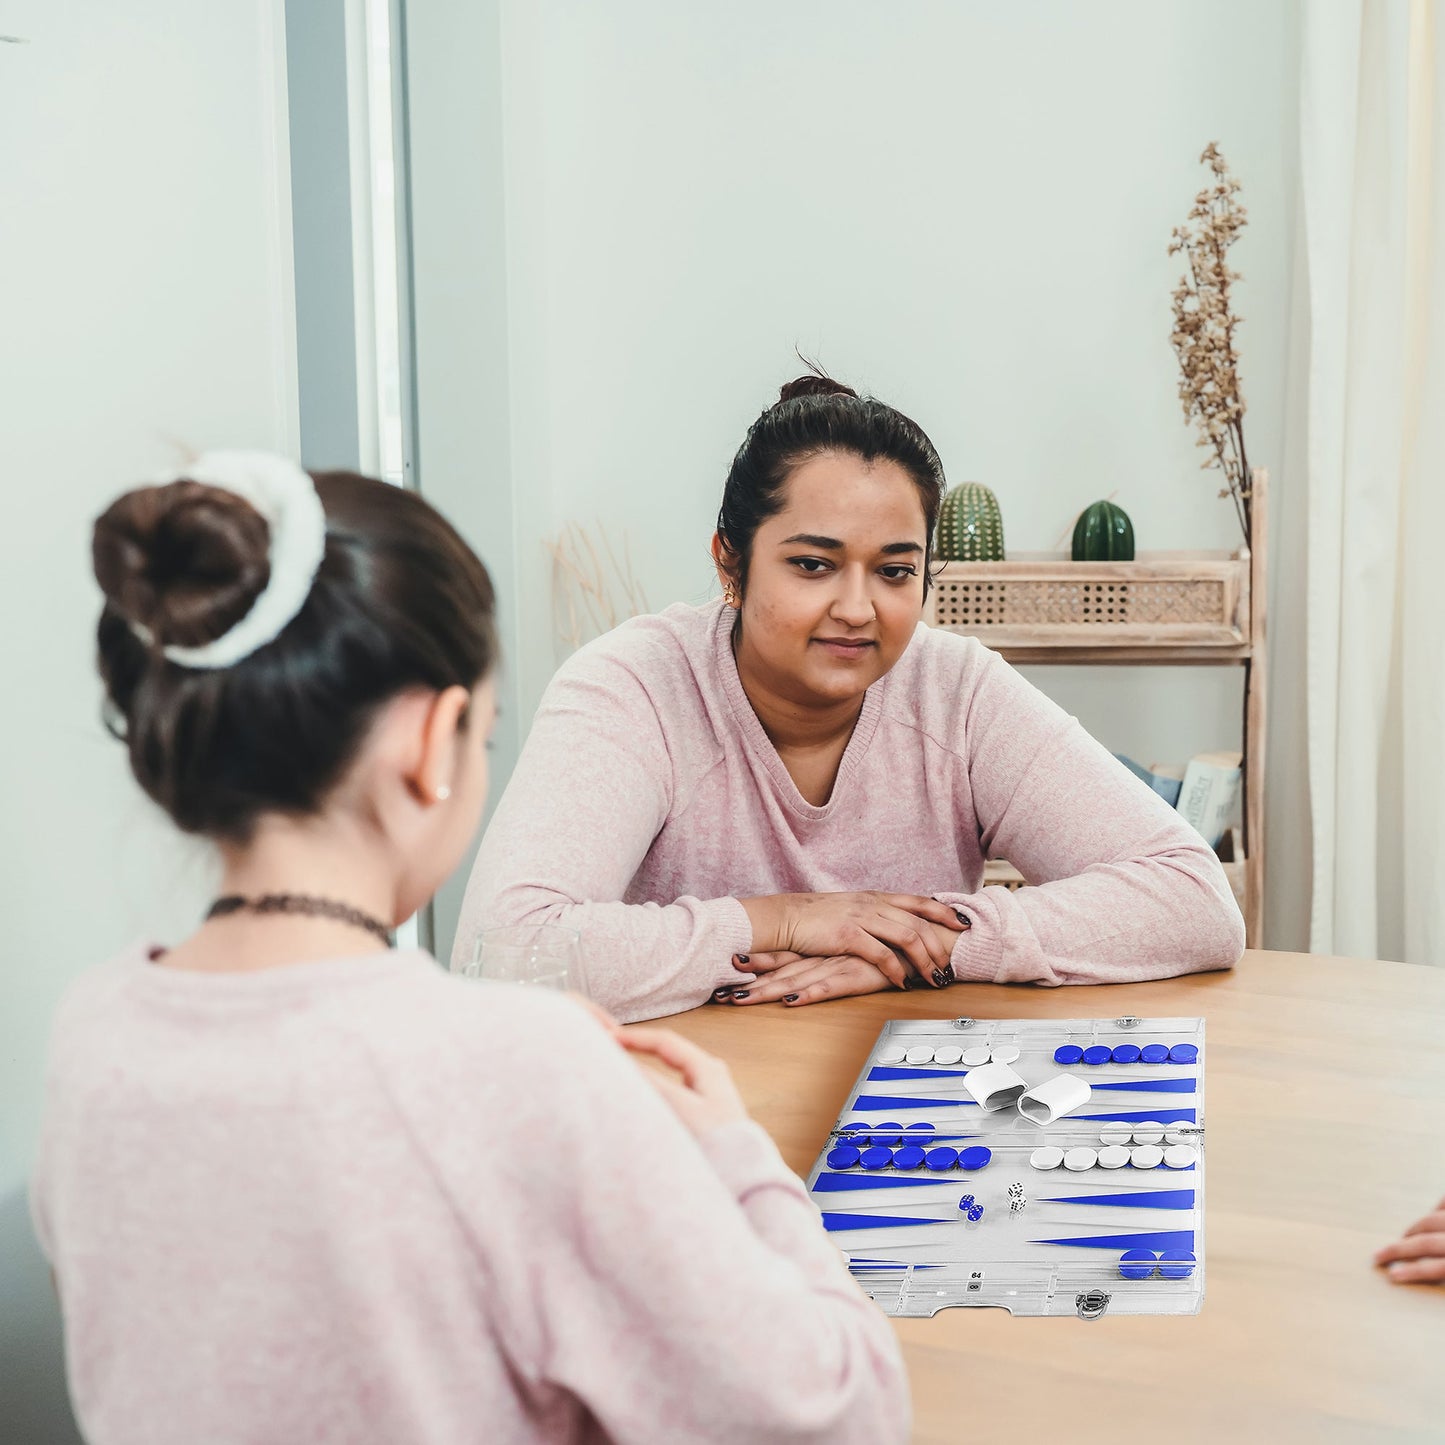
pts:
[360, 1201]
[648, 800]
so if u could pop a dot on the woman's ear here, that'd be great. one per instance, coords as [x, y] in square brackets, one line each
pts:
[439, 757]
[726, 562]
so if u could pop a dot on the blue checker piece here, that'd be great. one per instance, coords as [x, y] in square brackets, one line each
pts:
[1068, 1054]
[889, 1134]
[845, 1156]
[1098, 1054]
[1126, 1054]
[876, 1158]
[1184, 1054]
[1154, 1053]
[975, 1157]
[917, 1133]
[941, 1158]
[908, 1157]
[1176, 1264]
[1138, 1264]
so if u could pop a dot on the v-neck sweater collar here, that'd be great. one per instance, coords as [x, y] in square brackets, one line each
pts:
[761, 745]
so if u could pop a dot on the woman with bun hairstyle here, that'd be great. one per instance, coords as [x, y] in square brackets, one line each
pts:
[298, 1185]
[790, 794]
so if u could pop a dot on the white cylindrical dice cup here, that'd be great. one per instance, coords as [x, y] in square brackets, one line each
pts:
[1054, 1098]
[994, 1086]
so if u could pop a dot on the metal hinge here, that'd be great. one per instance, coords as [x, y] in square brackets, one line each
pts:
[1092, 1303]
[964, 1023]
[1129, 1021]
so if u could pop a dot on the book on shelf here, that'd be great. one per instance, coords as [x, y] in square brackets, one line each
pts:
[1165, 778]
[1204, 791]
[1209, 793]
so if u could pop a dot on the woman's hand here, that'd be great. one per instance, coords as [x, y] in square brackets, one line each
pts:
[1418, 1258]
[705, 1096]
[798, 978]
[895, 932]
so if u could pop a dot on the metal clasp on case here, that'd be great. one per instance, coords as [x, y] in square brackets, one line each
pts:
[964, 1023]
[1092, 1303]
[1129, 1021]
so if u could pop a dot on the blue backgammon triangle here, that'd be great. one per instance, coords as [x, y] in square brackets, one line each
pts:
[1152, 1086]
[1159, 1239]
[835, 1222]
[887, 1268]
[1135, 1199]
[868, 1103]
[1145, 1116]
[834, 1183]
[886, 1071]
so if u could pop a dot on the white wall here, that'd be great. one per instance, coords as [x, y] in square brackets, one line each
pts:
[144, 242]
[964, 207]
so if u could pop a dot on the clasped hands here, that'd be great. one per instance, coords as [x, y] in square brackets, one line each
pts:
[813, 946]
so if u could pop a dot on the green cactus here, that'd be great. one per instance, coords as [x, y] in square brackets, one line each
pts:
[970, 526]
[1103, 533]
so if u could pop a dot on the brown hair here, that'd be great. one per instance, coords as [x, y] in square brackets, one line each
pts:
[817, 414]
[399, 601]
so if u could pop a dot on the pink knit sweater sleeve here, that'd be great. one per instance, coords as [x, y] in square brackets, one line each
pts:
[682, 1290]
[1125, 889]
[593, 787]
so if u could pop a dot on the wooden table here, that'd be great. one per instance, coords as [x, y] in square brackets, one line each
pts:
[1325, 1091]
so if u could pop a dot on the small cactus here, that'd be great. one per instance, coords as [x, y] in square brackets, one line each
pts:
[1103, 533]
[970, 526]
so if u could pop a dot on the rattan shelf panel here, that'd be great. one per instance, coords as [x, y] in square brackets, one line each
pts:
[1051, 603]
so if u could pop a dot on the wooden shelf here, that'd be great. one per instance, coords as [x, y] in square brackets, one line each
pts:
[1195, 609]
[1099, 611]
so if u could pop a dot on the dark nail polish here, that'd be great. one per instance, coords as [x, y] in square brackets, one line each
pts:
[741, 993]
[724, 991]
[962, 918]
[939, 977]
[790, 998]
[742, 958]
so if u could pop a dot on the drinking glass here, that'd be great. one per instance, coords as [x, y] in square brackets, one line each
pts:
[545, 955]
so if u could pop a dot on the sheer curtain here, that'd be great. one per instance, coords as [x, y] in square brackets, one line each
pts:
[1372, 139]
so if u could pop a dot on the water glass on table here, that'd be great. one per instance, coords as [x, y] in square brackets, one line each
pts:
[545, 955]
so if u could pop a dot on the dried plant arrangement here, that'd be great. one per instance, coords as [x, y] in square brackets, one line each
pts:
[1204, 327]
[592, 590]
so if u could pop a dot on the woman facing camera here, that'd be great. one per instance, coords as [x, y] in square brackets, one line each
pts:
[789, 795]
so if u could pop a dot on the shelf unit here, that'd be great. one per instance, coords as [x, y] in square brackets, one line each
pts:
[1202, 609]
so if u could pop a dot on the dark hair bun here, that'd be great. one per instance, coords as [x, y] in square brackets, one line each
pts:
[814, 385]
[185, 561]
[399, 601]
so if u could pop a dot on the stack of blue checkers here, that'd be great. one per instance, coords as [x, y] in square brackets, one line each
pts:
[1126, 1054]
[883, 1145]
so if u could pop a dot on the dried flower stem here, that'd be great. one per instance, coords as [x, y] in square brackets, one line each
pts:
[1204, 328]
[592, 591]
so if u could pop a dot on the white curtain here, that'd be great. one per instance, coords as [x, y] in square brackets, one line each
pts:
[1372, 138]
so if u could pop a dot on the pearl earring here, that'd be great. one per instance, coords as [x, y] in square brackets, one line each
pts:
[443, 793]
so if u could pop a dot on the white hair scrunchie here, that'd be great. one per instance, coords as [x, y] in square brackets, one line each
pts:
[286, 497]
